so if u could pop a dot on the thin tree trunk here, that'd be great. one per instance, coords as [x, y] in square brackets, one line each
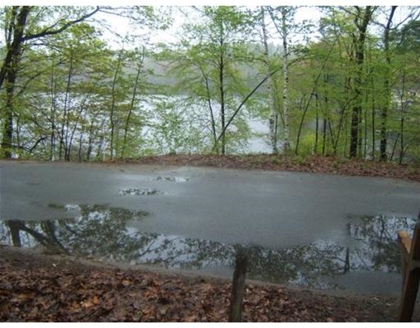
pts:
[347, 261]
[394, 147]
[100, 151]
[66, 115]
[213, 121]
[286, 144]
[341, 123]
[317, 123]
[385, 109]
[324, 135]
[7, 142]
[402, 137]
[365, 130]
[302, 120]
[270, 90]
[249, 95]
[52, 113]
[373, 122]
[90, 141]
[113, 102]
[309, 101]
[402, 104]
[360, 133]
[79, 153]
[325, 121]
[76, 124]
[133, 99]
[222, 99]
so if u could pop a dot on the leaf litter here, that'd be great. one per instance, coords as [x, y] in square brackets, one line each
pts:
[33, 289]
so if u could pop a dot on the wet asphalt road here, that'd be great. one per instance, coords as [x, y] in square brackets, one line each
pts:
[271, 209]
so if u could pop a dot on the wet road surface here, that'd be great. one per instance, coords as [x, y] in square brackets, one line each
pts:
[274, 213]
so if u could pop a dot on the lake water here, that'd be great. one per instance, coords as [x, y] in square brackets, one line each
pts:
[159, 125]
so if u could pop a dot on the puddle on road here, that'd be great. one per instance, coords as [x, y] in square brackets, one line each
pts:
[104, 233]
[140, 192]
[171, 179]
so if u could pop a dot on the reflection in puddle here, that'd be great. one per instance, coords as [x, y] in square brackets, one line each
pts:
[140, 192]
[102, 232]
[171, 179]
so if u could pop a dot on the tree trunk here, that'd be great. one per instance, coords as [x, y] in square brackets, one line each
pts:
[90, 141]
[113, 102]
[52, 114]
[387, 91]
[302, 120]
[402, 138]
[65, 123]
[286, 145]
[222, 102]
[212, 119]
[14, 227]
[7, 141]
[243, 103]
[324, 135]
[76, 124]
[401, 153]
[359, 45]
[14, 40]
[270, 90]
[133, 99]
[373, 122]
[365, 134]
[317, 123]
[8, 72]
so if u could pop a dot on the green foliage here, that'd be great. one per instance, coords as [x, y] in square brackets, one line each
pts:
[206, 65]
[72, 89]
[407, 39]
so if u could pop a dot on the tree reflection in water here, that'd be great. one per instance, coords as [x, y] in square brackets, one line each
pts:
[105, 233]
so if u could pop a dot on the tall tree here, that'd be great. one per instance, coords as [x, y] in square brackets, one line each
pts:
[362, 18]
[283, 18]
[284, 31]
[273, 120]
[21, 27]
[208, 65]
[387, 89]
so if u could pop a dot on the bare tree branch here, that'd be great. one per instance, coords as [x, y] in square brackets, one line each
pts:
[47, 32]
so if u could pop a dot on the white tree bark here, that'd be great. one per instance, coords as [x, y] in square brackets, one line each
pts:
[270, 90]
[286, 145]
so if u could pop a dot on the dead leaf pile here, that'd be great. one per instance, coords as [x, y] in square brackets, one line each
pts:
[38, 288]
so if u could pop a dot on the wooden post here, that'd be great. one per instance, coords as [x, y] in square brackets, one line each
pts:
[410, 253]
[238, 287]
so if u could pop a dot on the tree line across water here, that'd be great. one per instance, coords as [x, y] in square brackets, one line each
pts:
[346, 85]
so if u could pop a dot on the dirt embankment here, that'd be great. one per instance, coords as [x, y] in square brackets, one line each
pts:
[314, 164]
